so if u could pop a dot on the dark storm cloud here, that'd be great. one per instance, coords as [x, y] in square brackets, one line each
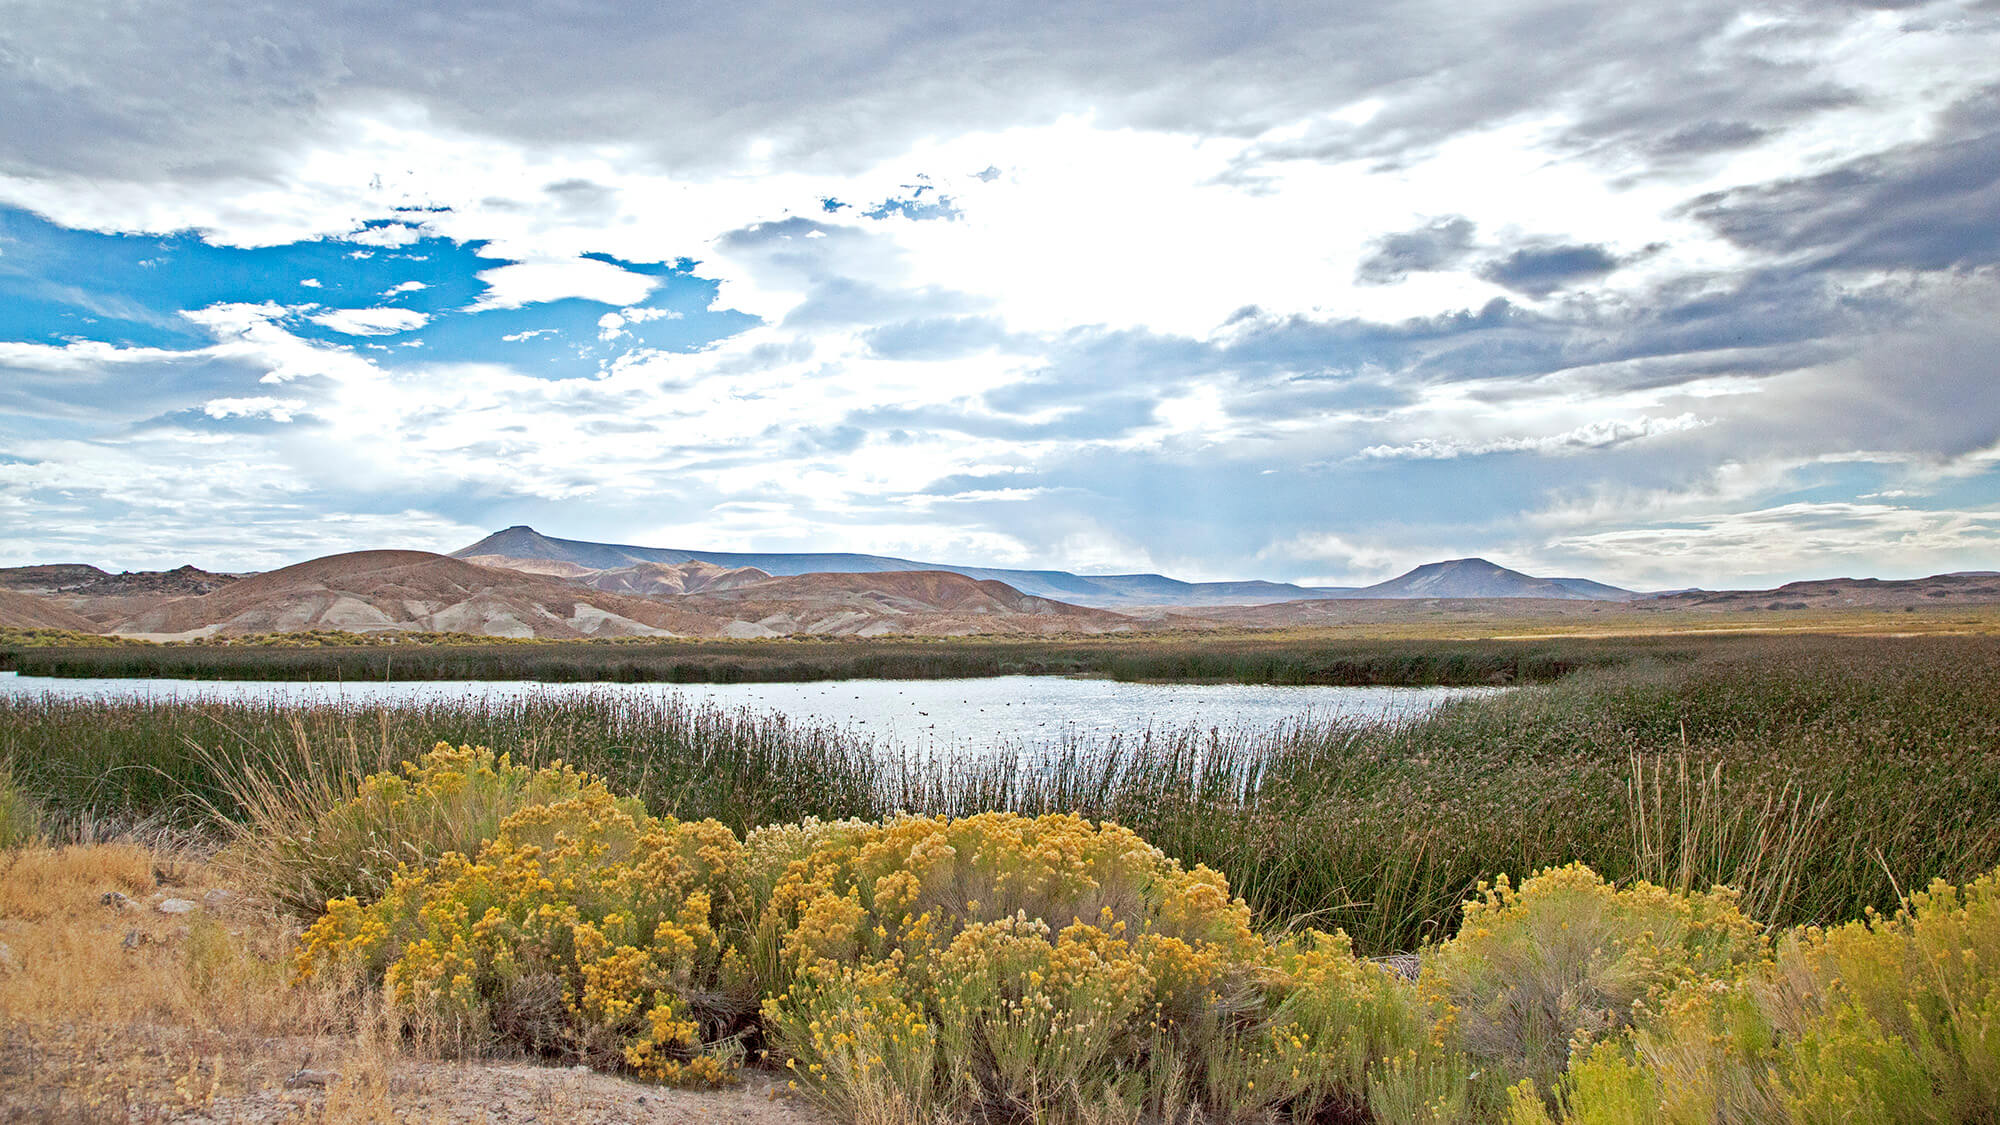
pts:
[226, 88]
[1541, 270]
[1710, 136]
[1928, 206]
[1441, 244]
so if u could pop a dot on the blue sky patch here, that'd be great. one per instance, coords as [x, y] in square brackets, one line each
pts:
[59, 285]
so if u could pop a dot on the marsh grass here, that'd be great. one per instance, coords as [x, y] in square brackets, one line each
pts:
[1814, 774]
[20, 813]
[1228, 657]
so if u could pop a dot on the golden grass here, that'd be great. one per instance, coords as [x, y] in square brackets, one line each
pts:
[112, 1010]
[131, 1015]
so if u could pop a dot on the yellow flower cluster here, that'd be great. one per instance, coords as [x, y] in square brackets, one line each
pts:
[618, 909]
[452, 799]
[1056, 969]
[933, 966]
[1889, 1019]
[1567, 958]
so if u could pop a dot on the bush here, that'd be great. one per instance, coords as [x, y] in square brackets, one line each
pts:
[1886, 1020]
[1002, 967]
[584, 930]
[1568, 957]
[1053, 969]
[313, 835]
[20, 814]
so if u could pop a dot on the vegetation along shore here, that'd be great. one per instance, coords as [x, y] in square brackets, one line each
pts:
[1195, 909]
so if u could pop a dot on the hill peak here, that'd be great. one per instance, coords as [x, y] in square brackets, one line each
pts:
[1483, 578]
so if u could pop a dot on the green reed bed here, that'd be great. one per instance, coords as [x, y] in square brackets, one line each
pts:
[1818, 775]
[1250, 658]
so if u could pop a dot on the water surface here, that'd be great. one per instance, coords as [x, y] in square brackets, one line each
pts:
[1021, 712]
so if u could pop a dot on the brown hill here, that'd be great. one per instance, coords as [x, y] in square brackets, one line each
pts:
[77, 579]
[1972, 588]
[31, 611]
[385, 591]
[48, 578]
[925, 602]
[554, 568]
[669, 579]
[388, 591]
[646, 579]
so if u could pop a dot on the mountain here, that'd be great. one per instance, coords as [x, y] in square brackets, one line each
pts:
[1963, 588]
[388, 591]
[1108, 591]
[1477, 578]
[926, 602]
[80, 580]
[32, 611]
[404, 591]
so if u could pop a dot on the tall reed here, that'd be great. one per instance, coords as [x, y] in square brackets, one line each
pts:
[1817, 774]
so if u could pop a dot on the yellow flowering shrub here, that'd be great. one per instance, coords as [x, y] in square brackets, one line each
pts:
[1883, 1020]
[1052, 968]
[1567, 957]
[584, 930]
[1003, 967]
[452, 799]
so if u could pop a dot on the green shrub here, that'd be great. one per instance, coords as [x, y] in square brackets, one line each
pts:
[20, 814]
[315, 834]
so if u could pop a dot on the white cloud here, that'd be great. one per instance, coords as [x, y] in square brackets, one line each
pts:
[263, 406]
[371, 322]
[1791, 540]
[611, 326]
[406, 287]
[388, 236]
[535, 281]
[1593, 435]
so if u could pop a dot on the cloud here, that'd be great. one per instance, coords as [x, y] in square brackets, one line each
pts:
[1441, 244]
[528, 283]
[1216, 284]
[386, 235]
[1930, 205]
[371, 322]
[1594, 435]
[1797, 539]
[262, 406]
[1541, 270]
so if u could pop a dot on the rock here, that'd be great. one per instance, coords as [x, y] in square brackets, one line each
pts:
[1405, 965]
[217, 898]
[176, 906]
[134, 939]
[9, 961]
[114, 900]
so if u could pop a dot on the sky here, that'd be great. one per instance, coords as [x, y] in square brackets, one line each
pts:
[1658, 294]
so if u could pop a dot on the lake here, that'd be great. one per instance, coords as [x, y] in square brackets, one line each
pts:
[925, 716]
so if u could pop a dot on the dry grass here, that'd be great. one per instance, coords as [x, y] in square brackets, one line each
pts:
[122, 1013]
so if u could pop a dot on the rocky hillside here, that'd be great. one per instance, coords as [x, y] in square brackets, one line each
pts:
[381, 591]
[32, 611]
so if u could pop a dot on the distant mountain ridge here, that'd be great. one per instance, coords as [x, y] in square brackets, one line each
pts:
[407, 591]
[1477, 578]
[1457, 578]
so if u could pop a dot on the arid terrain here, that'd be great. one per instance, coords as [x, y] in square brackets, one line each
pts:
[415, 591]
[520, 584]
